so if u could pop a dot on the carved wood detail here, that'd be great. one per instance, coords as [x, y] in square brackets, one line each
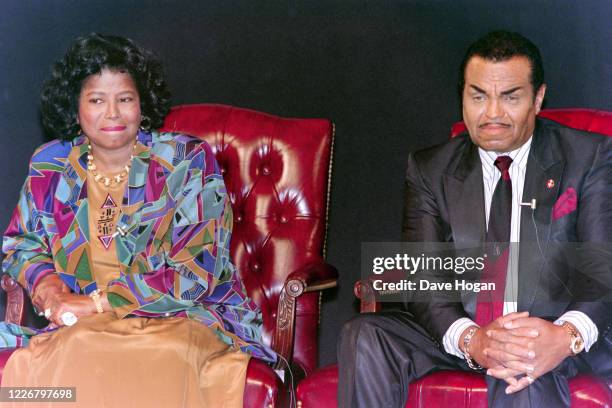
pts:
[15, 300]
[285, 326]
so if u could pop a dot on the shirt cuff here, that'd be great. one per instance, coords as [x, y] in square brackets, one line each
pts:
[450, 341]
[582, 323]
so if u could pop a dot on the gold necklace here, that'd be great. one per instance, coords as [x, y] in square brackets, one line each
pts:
[107, 181]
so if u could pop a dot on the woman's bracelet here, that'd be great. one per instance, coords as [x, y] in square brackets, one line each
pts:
[95, 296]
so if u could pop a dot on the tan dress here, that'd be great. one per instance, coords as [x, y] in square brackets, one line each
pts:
[133, 362]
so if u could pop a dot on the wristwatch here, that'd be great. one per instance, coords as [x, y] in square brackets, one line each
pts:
[577, 343]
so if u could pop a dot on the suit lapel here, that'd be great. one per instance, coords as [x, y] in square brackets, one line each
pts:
[464, 185]
[545, 163]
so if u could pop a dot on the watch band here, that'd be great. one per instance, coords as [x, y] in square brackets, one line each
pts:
[577, 342]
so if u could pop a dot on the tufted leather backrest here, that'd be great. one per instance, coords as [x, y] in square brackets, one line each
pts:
[277, 172]
[591, 120]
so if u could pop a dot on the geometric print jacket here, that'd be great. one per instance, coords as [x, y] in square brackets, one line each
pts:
[176, 223]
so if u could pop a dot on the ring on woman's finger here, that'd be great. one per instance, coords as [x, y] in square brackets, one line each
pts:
[48, 312]
[69, 318]
[530, 379]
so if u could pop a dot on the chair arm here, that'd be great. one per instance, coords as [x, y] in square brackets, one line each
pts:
[314, 276]
[371, 298]
[364, 291]
[311, 277]
[15, 300]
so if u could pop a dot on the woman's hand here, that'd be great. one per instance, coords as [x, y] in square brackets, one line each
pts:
[46, 289]
[53, 295]
[60, 303]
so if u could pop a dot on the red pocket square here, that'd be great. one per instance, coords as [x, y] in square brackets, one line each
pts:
[566, 204]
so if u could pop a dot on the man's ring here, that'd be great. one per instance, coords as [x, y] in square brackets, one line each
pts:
[48, 312]
[530, 379]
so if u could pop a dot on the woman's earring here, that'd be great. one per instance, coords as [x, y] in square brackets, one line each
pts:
[77, 126]
[145, 123]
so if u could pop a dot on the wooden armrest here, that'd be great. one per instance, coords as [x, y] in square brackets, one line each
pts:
[314, 276]
[370, 297]
[364, 291]
[15, 300]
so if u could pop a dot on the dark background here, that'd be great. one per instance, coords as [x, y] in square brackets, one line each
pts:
[383, 71]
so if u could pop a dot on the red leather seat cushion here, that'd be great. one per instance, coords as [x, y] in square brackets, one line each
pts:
[449, 388]
[320, 389]
[263, 387]
[445, 389]
[4, 356]
[465, 389]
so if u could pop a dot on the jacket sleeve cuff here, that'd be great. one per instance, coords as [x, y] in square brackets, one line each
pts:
[35, 278]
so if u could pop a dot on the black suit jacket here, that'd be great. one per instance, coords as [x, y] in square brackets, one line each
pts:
[444, 202]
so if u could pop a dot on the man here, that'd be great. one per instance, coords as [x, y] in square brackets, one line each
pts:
[470, 189]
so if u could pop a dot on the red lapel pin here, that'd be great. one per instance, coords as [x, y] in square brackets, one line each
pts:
[550, 183]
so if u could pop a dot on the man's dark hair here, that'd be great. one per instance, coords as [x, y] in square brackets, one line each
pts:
[90, 55]
[501, 46]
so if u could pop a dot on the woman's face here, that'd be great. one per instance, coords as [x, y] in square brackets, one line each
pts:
[109, 110]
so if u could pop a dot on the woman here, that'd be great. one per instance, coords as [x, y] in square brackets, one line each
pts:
[126, 231]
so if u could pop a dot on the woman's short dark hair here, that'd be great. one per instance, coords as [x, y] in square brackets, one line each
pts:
[500, 46]
[90, 55]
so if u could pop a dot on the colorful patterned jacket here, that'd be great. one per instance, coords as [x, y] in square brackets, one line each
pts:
[174, 256]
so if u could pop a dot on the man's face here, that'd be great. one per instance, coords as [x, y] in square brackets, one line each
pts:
[499, 107]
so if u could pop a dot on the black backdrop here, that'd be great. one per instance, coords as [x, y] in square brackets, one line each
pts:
[383, 71]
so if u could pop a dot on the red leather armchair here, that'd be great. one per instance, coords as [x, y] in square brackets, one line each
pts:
[278, 173]
[458, 388]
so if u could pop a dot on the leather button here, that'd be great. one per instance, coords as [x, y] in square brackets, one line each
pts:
[223, 171]
[256, 267]
[265, 170]
[239, 218]
[284, 220]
